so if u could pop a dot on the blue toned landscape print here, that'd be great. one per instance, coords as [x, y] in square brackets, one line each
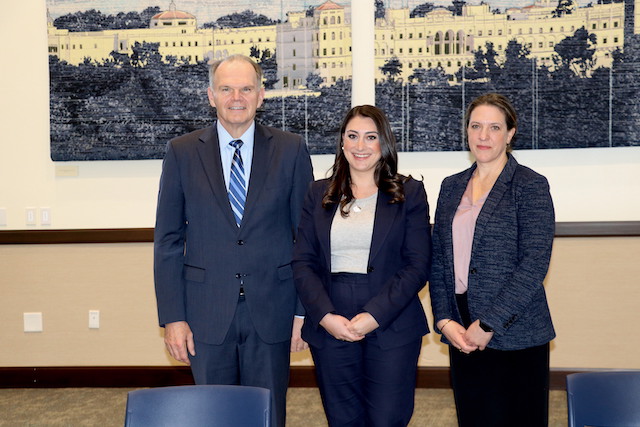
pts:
[128, 75]
[571, 69]
[125, 80]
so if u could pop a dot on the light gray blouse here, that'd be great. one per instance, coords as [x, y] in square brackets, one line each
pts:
[351, 236]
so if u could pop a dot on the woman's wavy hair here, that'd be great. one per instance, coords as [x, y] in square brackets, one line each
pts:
[386, 172]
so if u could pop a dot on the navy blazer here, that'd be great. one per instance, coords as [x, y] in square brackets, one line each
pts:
[398, 266]
[200, 254]
[509, 257]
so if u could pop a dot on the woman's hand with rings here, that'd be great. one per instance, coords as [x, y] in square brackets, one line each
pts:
[455, 333]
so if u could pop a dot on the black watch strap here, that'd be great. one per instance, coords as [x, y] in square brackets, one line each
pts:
[485, 327]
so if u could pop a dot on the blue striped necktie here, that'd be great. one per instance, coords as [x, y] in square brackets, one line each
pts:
[237, 184]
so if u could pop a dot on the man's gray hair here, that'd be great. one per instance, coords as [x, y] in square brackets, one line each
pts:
[213, 66]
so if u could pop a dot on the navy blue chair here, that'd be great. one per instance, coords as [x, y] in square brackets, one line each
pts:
[604, 399]
[199, 406]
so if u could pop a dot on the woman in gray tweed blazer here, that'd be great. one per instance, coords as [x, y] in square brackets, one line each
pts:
[492, 239]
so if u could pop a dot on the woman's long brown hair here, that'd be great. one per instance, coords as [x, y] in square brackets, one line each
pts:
[386, 172]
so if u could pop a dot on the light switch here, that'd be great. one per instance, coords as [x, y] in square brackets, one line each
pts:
[45, 216]
[30, 216]
[94, 319]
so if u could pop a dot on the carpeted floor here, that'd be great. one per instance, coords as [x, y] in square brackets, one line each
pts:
[105, 407]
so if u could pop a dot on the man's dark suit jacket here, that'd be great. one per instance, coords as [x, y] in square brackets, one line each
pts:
[509, 257]
[398, 266]
[201, 255]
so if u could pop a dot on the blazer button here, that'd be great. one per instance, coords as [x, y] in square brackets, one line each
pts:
[369, 269]
[473, 271]
[240, 242]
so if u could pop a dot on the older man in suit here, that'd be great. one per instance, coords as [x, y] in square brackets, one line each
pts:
[228, 207]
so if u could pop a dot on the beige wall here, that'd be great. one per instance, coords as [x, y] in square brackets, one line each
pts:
[592, 289]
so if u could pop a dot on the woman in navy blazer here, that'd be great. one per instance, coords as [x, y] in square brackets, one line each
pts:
[493, 233]
[362, 254]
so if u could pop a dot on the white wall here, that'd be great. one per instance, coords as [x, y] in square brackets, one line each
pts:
[587, 184]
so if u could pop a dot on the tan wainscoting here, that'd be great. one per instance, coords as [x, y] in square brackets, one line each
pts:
[591, 287]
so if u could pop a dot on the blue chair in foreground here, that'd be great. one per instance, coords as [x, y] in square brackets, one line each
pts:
[604, 399]
[199, 406]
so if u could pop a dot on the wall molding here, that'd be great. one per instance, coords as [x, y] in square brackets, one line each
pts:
[160, 376]
[141, 235]
[598, 229]
[95, 235]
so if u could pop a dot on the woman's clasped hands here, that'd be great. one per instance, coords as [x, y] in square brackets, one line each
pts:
[465, 340]
[352, 330]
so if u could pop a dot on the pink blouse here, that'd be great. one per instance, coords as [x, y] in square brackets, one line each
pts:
[463, 227]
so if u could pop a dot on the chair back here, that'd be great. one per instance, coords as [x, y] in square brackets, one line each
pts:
[604, 398]
[199, 406]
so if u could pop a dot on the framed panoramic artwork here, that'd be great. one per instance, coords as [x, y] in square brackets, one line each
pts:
[127, 76]
[570, 67]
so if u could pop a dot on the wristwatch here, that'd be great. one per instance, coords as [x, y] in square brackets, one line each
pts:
[485, 327]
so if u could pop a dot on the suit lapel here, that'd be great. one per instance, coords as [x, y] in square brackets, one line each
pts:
[263, 147]
[209, 152]
[500, 187]
[452, 201]
[385, 216]
[323, 224]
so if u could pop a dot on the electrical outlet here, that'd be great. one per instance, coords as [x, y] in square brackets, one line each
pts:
[32, 322]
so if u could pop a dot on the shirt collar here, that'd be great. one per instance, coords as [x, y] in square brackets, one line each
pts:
[225, 138]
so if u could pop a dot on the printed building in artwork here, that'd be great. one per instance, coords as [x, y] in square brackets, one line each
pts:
[319, 41]
[442, 39]
[175, 31]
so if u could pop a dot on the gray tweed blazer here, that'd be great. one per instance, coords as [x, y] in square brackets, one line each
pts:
[509, 258]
